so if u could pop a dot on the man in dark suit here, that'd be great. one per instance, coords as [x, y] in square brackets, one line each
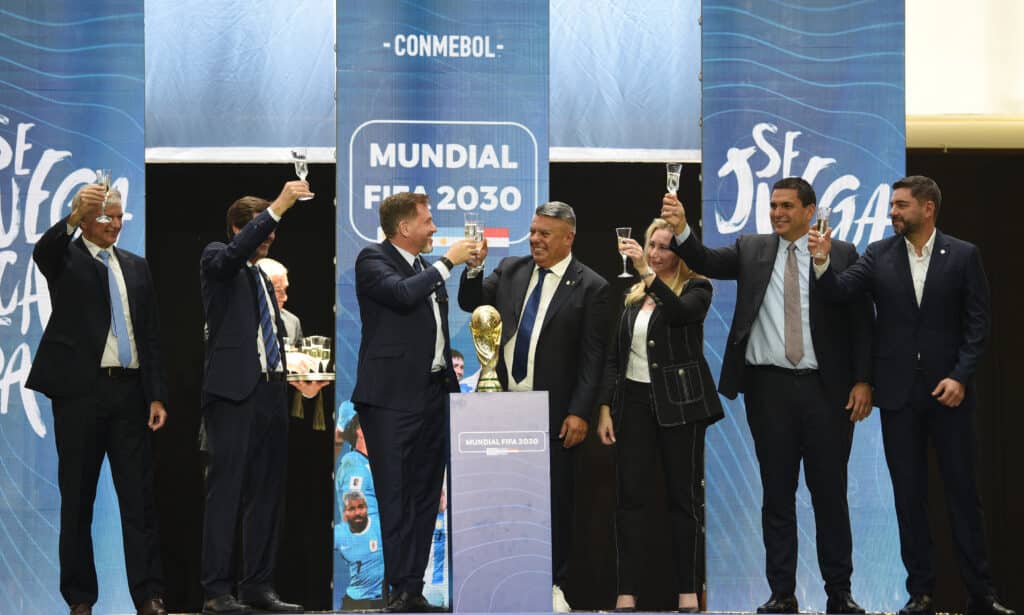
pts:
[403, 380]
[932, 300]
[99, 363]
[803, 366]
[554, 314]
[244, 408]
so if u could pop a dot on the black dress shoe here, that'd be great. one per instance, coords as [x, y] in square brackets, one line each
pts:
[153, 606]
[268, 600]
[224, 604]
[919, 604]
[842, 602]
[407, 602]
[987, 605]
[688, 609]
[780, 604]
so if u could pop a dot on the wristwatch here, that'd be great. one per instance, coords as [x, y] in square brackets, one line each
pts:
[447, 263]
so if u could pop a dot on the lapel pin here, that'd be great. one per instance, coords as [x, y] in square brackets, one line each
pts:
[942, 251]
[568, 282]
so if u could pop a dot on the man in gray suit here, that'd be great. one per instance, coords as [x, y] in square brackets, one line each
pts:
[278, 275]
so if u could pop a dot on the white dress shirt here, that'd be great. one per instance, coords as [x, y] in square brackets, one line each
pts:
[551, 282]
[260, 346]
[637, 369]
[919, 264]
[767, 343]
[438, 362]
[110, 357]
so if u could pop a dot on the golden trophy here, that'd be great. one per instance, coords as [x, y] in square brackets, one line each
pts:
[485, 325]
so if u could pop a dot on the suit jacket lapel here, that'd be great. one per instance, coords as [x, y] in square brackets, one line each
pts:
[765, 264]
[99, 269]
[129, 282]
[396, 256]
[566, 286]
[520, 283]
[901, 265]
[936, 265]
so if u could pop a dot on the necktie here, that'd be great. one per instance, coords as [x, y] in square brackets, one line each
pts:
[417, 266]
[118, 324]
[521, 353]
[266, 324]
[791, 300]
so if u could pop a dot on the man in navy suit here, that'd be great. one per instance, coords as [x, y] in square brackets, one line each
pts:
[932, 303]
[554, 311]
[99, 363]
[244, 407]
[803, 366]
[403, 380]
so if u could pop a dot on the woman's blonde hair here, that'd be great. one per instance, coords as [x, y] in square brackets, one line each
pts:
[683, 273]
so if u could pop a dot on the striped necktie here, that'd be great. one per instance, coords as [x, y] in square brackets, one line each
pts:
[273, 351]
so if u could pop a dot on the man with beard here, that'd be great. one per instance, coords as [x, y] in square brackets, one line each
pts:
[403, 379]
[932, 301]
[244, 408]
[357, 541]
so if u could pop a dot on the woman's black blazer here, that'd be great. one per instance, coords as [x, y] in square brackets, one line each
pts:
[682, 388]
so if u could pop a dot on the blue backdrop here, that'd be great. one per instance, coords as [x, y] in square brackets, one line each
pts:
[451, 101]
[814, 89]
[71, 100]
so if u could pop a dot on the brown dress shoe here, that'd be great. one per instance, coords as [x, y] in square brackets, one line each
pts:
[81, 609]
[153, 606]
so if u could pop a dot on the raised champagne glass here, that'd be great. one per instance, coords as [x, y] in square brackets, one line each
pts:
[672, 172]
[301, 168]
[821, 225]
[103, 179]
[474, 229]
[621, 233]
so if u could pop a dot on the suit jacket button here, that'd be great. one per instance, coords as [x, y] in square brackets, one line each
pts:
[682, 372]
[650, 343]
[654, 365]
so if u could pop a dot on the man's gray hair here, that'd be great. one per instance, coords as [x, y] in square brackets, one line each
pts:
[272, 267]
[560, 210]
[114, 197]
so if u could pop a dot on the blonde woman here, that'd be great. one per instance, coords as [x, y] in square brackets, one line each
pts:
[657, 399]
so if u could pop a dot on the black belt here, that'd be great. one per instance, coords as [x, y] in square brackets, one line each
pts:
[785, 370]
[272, 376]
[119, 373]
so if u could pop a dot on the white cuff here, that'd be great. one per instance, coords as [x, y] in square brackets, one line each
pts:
[445, 273]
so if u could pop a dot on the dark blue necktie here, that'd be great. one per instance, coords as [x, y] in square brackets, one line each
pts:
[118, 323]
[521, 354]
[266, 324]
[416, 265]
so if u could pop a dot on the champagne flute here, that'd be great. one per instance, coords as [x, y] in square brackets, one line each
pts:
[325, 353]
[103, 179]
[821, 225]
[623, 232]
[301, 168]
[307, 347]
[474, 229]
[672, 172]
